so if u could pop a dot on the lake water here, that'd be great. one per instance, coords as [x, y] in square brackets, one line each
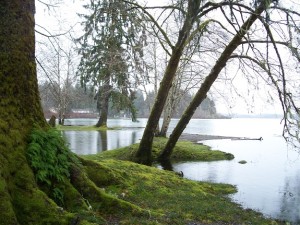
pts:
[269, 182]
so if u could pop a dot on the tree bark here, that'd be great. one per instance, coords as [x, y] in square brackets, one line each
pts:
[22, 200]
[209, 80]
[143, 154]
[104, 99]
[20, 111]
[168, 112]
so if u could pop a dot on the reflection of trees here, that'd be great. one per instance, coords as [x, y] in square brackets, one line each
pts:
[91, 142]
[102, 141]
[290, 207]
[82, 142]
[133, 137]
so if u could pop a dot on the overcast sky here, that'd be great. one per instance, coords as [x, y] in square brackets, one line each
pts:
[64, 17]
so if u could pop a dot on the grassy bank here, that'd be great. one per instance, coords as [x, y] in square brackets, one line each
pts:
[184, 151]
[83, 128]
[164, 196]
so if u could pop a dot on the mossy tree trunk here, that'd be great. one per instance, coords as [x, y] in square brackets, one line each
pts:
[20, 110]
[21, 199]
[208, 82]
[143, 154]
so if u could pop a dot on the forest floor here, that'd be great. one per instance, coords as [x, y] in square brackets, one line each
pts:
[166, 197]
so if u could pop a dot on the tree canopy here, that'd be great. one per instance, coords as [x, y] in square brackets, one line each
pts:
[249, 38]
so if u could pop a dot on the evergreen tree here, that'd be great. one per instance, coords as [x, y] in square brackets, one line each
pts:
[111, 54]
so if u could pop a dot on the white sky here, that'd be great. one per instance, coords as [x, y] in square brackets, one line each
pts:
[61, 19]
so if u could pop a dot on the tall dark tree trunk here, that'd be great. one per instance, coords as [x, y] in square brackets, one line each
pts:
[209, 80]
[104, 103]
[143, 154]
[22, 200]
[20, 111]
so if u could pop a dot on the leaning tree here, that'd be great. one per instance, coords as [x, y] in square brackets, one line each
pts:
[244, 48]
[238, 30]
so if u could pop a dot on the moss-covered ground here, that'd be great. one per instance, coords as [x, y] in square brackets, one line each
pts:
[183, 151]
[163, 196]
[169, 199]
[84, 128]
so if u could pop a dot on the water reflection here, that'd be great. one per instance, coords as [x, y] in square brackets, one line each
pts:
[291, 198]
[269, 182]
[92, 142]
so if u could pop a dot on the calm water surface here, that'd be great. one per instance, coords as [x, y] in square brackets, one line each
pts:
[269, 182]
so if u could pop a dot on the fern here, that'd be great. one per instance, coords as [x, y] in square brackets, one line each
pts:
[50, 159]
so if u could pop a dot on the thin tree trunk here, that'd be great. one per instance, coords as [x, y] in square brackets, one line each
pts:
[143, 154]
[172, 101]
[156, 133]
[104, 99]
[167, 118]
[209, 80]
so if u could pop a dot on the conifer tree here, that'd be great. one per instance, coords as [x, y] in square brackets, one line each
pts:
[111, 50]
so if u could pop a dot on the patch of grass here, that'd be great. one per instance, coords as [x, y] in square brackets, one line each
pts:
[169, 199]
[84, 128]
[166, 197]
[183, 151]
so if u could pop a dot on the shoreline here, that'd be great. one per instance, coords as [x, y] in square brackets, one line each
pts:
[195, 138]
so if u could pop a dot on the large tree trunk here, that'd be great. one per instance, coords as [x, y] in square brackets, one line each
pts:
[143, 154]
[209, 80]
[20, 110]
[21, 199]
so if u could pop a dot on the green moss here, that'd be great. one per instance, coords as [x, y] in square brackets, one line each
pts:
[72, 199]
[183, 151]
[35, 208]
[6, 208]
[99, 200]
[166, 197]
[84, 128]
[100, 174]
[4, 127]
[169, 199]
